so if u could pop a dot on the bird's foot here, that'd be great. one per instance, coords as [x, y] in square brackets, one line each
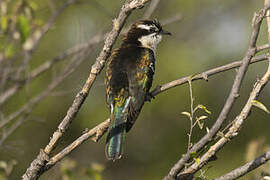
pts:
[149, 97]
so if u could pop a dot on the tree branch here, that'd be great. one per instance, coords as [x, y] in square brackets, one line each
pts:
[152, 7]
[37, 166]
[204, 75]
[241, 171]
[29, 107]
[234, 129]
[32, 42]
[43, 162]
[97, 132]
[46, 66]
[256, 23]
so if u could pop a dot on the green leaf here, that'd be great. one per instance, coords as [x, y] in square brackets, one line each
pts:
[96, 170]
[9, 51]
[97, 167]
[201, 118]
[186, 114]
[197, 160]
[4, 23]
[2, 177]
[200, 124]
[24, 27]
[200, 106]
[194, 154]
[33, 5]
[260, 105]
[207, 129]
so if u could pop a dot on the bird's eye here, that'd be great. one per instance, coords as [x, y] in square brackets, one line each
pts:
[152, 30]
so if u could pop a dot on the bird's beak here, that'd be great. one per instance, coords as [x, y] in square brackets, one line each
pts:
[164, 32]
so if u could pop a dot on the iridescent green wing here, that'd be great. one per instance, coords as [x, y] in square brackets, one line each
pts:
[117, 130]
[140, 81]
[117, 100]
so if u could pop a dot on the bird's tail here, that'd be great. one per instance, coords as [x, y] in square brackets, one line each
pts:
[117, 130]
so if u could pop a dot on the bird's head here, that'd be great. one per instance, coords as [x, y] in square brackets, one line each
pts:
[145, 33]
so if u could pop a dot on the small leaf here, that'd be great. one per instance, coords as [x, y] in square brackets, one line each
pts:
[260, 105]
[204, 108]
[193, 154]
[186, 113]
[9, 51]
[207, 129]
[4, 23]
[197, 160]
[24, 27]
[200, 124]
[97, 167]
[201, 118]
[33, 5]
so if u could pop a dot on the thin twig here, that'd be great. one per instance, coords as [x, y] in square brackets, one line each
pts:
[205, 75]
[29, 107]
[256, 23]
[47, 65]
[30, 45]
[95, 133]
[33, 41]
[152, 7]
[191, 114]
[241, 171]
[7, 132]
[175, 18]
[36, 99]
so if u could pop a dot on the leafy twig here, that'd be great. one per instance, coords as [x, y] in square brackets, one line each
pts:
[256, 23]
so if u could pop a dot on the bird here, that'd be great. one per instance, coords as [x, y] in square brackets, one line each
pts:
[129, 76]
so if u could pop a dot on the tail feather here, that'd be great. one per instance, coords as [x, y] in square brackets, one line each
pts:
[117, 131]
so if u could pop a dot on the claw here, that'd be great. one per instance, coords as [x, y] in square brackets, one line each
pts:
[149, 97]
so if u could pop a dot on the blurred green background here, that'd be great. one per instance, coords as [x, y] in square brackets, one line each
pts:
[211, 33]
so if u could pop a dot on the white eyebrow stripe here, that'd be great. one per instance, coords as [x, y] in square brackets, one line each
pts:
[143, 26]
